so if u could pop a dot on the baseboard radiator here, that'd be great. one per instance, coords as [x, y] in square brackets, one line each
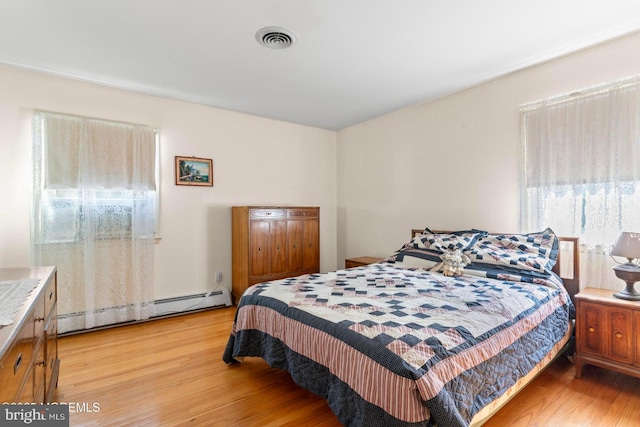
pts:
[163, 308]
[183, 304]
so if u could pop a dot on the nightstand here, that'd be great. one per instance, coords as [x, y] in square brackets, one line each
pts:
[607, 332]
[360, 261]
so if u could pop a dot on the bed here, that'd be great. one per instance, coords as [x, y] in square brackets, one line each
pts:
[398, 343]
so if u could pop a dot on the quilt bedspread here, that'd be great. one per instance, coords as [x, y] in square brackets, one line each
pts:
[389, 345]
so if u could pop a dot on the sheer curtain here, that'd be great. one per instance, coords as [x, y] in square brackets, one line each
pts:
[94, 207]
[581, 170]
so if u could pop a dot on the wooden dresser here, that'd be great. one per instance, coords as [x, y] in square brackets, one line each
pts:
[607, 332]
[273, 242]
[29, 346]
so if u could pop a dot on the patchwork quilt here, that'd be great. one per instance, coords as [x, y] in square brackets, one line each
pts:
[391, 345]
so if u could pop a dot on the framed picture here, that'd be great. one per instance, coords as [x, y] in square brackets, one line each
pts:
[194, 171]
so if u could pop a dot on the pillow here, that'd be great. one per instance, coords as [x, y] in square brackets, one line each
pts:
[533, 253]
[443, 242]
[415, 258]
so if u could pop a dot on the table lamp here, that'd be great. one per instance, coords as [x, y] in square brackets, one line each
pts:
[628, 246]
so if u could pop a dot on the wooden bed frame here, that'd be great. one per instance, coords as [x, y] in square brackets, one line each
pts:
[570, 279]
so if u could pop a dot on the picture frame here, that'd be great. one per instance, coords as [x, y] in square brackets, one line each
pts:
[194, 171]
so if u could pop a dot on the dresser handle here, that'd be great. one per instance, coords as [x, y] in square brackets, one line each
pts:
[16, 365]
[618, 335]
[259, 249]
[592, 330]
[42, 363]
[39, 319]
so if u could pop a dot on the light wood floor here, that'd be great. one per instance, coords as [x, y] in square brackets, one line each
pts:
[169, 372]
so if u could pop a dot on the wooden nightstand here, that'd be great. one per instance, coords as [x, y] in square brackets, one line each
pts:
[360, 261]
[607, 332]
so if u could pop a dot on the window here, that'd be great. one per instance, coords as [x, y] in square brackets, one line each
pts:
[94, 174]
[581, 164]
[95, 216]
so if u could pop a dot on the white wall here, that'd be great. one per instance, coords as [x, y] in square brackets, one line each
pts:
[256, 161]
[452, 163]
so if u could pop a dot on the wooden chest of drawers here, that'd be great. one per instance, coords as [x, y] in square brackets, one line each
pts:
[29, 347]
[273, 242]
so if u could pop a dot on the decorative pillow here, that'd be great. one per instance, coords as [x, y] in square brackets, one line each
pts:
[533, 253]
[443, 242]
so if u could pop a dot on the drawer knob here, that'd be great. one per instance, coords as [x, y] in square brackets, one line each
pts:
[592, 329]
[618, 335]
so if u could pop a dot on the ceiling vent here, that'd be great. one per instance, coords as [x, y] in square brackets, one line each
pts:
[275, 37]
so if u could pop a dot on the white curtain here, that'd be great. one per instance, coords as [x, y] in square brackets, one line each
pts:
[94, 208]
[581, 170]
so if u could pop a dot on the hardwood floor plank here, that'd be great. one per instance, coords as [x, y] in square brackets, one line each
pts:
[169, 372]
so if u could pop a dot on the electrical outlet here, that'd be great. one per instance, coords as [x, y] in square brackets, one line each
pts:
[219, 276]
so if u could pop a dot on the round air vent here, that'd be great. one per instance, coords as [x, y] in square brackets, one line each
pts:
[275, 37]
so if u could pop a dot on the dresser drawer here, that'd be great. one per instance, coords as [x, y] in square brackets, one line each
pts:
[26, 394]
[302, 213]
[16, 364]
[267, 213]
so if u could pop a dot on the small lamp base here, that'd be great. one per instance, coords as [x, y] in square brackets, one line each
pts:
[629, 294]
[630, 274]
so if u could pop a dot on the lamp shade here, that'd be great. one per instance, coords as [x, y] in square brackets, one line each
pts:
[627, 246]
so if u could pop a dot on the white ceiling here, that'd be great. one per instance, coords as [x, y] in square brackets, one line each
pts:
[354, 59]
